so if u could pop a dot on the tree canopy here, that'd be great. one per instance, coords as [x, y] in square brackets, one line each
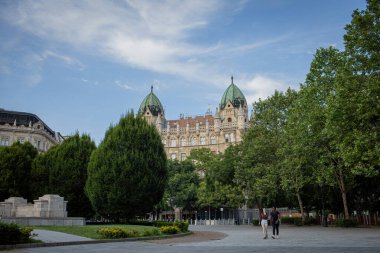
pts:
[62, 170]
[127, 173]
[15, 168]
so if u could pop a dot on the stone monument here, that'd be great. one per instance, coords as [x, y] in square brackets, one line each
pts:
[47, 210]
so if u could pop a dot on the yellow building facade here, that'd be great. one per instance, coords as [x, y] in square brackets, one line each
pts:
[214, 131]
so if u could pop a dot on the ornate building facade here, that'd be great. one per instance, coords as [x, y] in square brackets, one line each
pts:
[22, 127]
[214, 131]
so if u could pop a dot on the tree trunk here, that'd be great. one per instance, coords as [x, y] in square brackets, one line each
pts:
[301, 205]
[342, 187]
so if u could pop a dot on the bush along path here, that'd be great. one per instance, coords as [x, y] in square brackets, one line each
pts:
[98, 234]
[13, 234]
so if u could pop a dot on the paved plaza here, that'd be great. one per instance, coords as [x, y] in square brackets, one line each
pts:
[244, 239]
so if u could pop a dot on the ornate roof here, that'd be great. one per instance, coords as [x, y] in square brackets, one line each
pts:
[234, 95]
[152, 103]
[22, 118]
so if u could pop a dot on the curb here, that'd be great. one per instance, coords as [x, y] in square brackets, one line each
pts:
[54, 244]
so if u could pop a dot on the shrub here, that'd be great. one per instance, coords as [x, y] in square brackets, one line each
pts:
[141, 222]
[256, 222]
[298, 222]
[12, 234]
[160, 223]
[182, 225]
[311, 221]
[151, 232]
[346, 223]
[115, 233]
[112, 233]
[291, 220]
[132, 233]
[171, 230]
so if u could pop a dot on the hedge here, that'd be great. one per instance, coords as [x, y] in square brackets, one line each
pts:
[170, 230]
[115, 233]
[346, 223]
[13, 234]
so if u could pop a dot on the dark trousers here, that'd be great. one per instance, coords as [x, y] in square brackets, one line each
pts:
[275, 227]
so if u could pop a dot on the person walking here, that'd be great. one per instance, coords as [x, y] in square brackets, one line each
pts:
[275, 221]
[264, 222]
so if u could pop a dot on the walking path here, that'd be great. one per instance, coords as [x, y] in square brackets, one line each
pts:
[52, 236]
[239, 239]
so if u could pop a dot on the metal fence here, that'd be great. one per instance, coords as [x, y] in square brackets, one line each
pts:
[226, 216]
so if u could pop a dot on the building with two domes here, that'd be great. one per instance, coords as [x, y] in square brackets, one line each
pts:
[214, 131]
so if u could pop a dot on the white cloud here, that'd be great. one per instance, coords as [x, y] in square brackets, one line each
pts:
[123, 85]
[152, 35]
[66, 59]
[34, 79]
[261, 87]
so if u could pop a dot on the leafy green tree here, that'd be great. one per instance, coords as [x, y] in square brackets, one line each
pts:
[127, 173]
[15, 168]
[354, 108]
[362, 39]
[356, 102]
[62, 170]
[221, 178]
[182, 185]
[203, 159]
[259, 173]
[328, 166]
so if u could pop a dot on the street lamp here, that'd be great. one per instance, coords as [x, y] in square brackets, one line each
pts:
[221, 210]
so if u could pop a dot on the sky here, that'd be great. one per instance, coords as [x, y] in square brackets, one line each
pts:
[80, 65]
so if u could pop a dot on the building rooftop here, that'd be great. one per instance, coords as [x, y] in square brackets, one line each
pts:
[22, 119]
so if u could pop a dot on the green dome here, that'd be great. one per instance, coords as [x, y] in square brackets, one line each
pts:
[234, 95]
[152, 102]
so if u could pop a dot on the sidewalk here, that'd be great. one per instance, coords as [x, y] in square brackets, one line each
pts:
[52, 236]
[235, 239]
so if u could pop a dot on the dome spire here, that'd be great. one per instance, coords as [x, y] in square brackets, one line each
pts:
[152, 103]
[233, 95]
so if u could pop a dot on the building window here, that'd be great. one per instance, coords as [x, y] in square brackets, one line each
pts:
[164, 142]
[173, 156]
[183, 156]
[227, 137]
[4, 141]
[21, 140]
[173, 142]
[193, 141]
[213, 140]
[183, 141]
[203, 140]
[229, 120]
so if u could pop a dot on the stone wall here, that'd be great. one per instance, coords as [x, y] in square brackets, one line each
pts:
[36, 221]
[48, 210]
[47, 206]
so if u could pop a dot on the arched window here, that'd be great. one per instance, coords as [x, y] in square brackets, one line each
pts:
[173, 142]
[183, 142]
[203, 140]
[213, 139]
[229, 120]
[193, 141]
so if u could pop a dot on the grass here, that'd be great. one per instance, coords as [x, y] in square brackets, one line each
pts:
[89, 231]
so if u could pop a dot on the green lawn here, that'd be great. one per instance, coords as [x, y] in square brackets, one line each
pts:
[89, 231]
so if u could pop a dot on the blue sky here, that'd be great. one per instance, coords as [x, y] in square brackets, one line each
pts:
[80, 65]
